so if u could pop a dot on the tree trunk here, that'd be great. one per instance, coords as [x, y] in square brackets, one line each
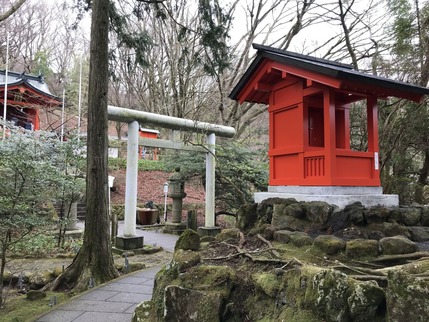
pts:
[423, 180]
[94, 260]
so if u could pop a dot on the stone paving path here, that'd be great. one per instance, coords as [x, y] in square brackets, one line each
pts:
[114, 301]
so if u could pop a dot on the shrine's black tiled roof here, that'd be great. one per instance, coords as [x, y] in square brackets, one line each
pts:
[322, 66]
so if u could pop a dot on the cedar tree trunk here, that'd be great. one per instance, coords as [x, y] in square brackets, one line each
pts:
[94, 259]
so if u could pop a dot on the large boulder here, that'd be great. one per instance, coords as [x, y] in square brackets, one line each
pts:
[395, 215]
[338, 220]
[189, 240]
[411, 216]
[340, 298]
[330, 244]
[282, 236]
[300, 239]
[268, 283]
[376, 215]
[265, 209]
[365, 299]
[229, 234]
[355, 213]
[185, 305]
[282, 221]
[34, 295]
[424, 219]
[295, 210]
[40, 279]
[247, 216]
[185, 259]
[358, 248]
[393, 229]
[397, 245]
[317, 211]
[332, 289]
[419, 233]
[407, 297]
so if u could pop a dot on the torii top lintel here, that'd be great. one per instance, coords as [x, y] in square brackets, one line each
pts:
[272, 65]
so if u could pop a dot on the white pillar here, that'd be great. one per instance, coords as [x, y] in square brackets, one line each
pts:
[210, 181]
[131, 180]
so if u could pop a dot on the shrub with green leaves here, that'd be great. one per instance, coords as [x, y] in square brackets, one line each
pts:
[32, 172]
[239, 173]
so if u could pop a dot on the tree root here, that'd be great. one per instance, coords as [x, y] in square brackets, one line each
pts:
[369, 278]
[400, 258]
[242, 252]
[270, 246]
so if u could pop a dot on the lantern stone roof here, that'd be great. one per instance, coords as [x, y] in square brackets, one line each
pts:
[271, 65]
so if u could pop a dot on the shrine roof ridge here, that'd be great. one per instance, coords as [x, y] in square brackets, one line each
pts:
[322, 66]
[37, 83]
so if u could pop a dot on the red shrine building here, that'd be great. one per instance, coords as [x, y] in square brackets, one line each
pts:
[27, 96]
[309, 126]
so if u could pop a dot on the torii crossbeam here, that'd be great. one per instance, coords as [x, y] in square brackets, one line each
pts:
[133, 118]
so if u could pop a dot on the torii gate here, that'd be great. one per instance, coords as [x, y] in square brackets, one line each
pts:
[132, 118]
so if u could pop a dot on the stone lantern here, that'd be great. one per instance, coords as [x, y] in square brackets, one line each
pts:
[176, 184]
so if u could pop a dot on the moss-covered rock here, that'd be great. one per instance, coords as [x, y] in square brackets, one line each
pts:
[411, 216]
[355, 213]
[317, 211]
[136, 266]
[397, 245]
[186, 259]
[358, 248]
[295, 210]
[57, 271]
[330, 244]
[407, 297]
[338, 220]
[267, 283]
[282, 236]
[394, 229]
[332, 289]
[40, 279]
[424, 219]
[182, 304]
[300, 239]
[282, 219]
[376, 215]
[166, 276]
[247, 216]
[143, 312]
[419, 233]
[229, 233]
[366, 301]
[210, 277]
[207, 239]
[395, 215]
[34, 295]
[189, 240]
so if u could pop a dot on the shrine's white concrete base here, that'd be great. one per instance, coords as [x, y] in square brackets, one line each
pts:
[337, 195]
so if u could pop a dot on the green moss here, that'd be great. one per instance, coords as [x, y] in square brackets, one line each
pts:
[297, 315]
[268, 283]
[144, 313]
[21, 309]
[166, 276]
[361, 248]
[186, 259]
[259, 308]
[208, 277]
[330, 244]
[189, 240]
